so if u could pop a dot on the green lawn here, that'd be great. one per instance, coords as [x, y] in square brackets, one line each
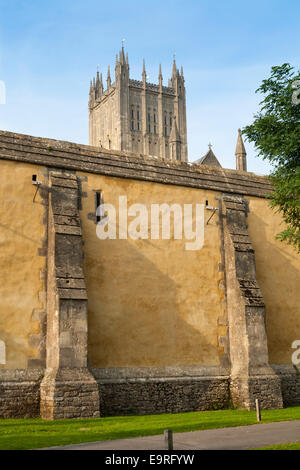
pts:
[290, 446]
[35, 433]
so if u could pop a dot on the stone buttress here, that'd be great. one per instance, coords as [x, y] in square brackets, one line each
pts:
[68, 389]
[251, 375]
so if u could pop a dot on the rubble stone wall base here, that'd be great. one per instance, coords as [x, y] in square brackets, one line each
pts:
[290, 387]
[20, 393]
[138, 396]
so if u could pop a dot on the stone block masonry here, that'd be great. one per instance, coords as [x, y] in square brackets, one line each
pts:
[69, 393]
[68, 389]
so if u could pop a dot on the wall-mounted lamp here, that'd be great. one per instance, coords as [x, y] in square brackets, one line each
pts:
[37, 184]
[210, 208]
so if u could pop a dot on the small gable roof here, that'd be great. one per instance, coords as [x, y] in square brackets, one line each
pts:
[209, 159]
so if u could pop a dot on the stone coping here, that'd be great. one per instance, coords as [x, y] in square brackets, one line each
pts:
[121, 373]
[71, 156]
[159, 372]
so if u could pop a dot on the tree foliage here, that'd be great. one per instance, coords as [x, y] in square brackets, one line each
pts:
[275, 133]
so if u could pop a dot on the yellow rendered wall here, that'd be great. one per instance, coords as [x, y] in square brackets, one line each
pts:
[21, 231]
[278, 275]
[151, 302]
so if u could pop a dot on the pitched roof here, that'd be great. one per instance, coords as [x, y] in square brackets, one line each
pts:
[209, 159]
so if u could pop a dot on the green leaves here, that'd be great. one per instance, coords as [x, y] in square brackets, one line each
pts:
[286, 200]
[275, 133]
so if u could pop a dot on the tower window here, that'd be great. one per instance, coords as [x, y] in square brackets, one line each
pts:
[132, 125]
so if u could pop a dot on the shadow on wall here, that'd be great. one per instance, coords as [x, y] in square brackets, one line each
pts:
[134, 313]
[20, 234]
[279, 280]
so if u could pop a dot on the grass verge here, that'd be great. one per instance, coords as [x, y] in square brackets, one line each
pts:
[289, 446]
[34, 433]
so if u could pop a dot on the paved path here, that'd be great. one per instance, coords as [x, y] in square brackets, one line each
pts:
[237, 438]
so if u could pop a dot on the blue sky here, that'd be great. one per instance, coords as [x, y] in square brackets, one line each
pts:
[49, 51]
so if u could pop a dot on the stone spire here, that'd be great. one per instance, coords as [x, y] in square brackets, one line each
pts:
[174, 70]
[181, 75]
[240, 153]
[101, 85]
[98, 80]
[174, 141]
[144, 75]
[160, 78]
[122, 56]
[122, 66]
[108, 79]
[175, 76]
[92, 95]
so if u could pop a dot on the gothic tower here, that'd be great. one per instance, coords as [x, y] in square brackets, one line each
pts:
[138, 116]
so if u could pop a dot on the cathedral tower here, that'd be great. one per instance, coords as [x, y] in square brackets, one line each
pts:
[138, 116]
